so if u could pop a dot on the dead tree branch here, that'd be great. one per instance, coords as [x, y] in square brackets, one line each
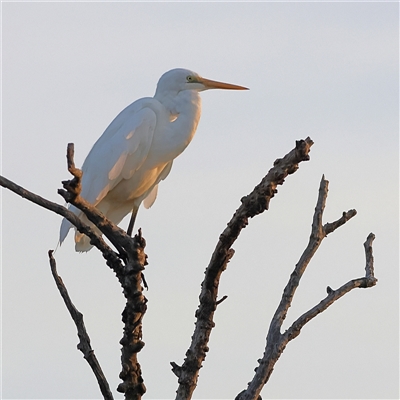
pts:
[130, 276]
[84, 340]
[255, 203]
[130, 259]
[128, 265]
[277, 341]
[96, 240]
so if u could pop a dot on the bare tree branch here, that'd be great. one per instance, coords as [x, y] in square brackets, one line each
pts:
[369, 265]
[131, 259]
[333, 295]
[130, 277]
[128, 267]
[84, 340]
[318, 233]
[255, 203]
[276, 341]
[136, 305]
[96, 240]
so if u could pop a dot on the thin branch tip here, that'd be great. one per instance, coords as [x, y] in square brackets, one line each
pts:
[303, 148]
[370, 238]
[369, 262]
[176, 369]
[329, 227]
[329, 290]
[218, 302]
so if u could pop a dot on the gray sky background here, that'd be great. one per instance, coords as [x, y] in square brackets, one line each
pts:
[324, 70]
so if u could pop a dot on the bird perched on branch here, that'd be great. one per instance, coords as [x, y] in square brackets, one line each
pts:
[136, 151]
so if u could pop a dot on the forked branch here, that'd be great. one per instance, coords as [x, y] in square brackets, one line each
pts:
[128, 265]
[255, 203]
[277, 341]
[130, 260]
[129, 274]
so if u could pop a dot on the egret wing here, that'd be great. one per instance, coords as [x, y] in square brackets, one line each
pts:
[151, 197]
[119, 152]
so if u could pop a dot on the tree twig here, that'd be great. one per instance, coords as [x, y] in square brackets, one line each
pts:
[255, 203]
[84, 340]
[277, 341]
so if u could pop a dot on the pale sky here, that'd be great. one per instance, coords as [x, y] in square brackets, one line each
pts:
[324, 70]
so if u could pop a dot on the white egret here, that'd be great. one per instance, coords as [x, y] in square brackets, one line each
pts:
[136, 151]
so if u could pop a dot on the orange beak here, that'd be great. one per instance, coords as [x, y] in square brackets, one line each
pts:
[209, 84]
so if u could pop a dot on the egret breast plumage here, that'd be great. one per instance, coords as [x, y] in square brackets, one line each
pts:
[136, 151]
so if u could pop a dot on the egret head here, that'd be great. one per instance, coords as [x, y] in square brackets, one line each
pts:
[180, 79]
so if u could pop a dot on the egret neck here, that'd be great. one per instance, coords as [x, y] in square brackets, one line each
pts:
[184, 109]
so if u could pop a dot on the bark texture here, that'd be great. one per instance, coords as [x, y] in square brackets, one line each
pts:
[255, 203]
[129, 273]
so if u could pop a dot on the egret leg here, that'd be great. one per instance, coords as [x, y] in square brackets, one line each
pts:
[129, 232]
[132, 221]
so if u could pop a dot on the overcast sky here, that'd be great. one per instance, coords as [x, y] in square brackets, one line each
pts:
[324, 70]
